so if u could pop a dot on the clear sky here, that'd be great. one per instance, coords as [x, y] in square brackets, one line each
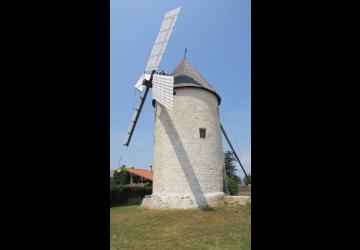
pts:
[217, 36]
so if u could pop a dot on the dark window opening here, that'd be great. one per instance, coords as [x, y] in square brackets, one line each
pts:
[202, 133]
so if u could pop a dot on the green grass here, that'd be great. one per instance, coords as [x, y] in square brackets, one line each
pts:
[224, 227]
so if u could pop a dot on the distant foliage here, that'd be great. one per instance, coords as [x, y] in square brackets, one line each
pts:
[230, 166]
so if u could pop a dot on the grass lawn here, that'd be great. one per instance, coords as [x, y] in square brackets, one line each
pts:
[225, 227]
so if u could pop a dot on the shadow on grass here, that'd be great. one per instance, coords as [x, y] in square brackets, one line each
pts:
[208, 209]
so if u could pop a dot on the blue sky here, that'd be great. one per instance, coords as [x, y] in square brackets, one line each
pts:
[217, 37]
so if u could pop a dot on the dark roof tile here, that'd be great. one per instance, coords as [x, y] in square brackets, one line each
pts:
[185, 75]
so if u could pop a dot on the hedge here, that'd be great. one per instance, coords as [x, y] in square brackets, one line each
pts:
[120, 194]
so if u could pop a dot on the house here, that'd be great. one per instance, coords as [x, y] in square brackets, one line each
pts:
[140, 176]
[137, 176]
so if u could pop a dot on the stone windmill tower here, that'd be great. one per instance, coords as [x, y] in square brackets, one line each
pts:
[188, 160]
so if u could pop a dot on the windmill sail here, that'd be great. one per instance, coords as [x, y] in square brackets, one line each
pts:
[139, 84]
[163, 85]
[163, 89]
[162, 39]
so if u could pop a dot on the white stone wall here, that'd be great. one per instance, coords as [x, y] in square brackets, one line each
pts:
[187, 170]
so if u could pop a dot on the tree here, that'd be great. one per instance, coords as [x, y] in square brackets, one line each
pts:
[122, 176]
[233, 185]
[230, 166]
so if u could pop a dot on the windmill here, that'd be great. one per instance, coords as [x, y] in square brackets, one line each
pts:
[188, 158]
[162, 85]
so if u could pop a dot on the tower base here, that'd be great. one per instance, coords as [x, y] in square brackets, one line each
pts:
[181, 201]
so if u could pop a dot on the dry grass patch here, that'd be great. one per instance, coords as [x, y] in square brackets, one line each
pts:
[224, 227]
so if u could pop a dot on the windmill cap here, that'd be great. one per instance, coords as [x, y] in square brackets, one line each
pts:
[185, 75]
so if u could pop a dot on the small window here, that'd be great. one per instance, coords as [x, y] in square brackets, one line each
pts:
[202, 133]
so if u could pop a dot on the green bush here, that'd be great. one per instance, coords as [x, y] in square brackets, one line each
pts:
[120, 194]
[233, 185]
[122, 177]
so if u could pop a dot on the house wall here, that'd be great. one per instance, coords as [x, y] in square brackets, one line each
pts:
[187, 170]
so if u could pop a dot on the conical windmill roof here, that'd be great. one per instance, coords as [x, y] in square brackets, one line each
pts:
[185, 75]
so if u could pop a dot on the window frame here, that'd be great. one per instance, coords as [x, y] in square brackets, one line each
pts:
[202, 133]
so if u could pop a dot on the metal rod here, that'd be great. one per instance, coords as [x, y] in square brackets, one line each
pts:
[138, 109]
[228, 140]
[136, 114]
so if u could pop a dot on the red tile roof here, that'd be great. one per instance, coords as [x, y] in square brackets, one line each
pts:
[146, 174]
